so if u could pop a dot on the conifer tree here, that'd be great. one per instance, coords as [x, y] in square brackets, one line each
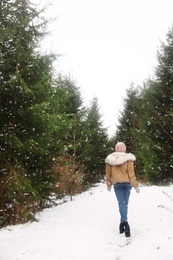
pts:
[146, 122]
[128, 120]
[70, 112]
[159, 108]
[95, 148]
[129, 125]
[25, 122]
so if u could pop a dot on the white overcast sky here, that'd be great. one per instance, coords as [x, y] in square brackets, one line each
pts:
[106, 45]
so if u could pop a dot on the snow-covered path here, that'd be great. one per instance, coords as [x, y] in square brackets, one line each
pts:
[87, 228]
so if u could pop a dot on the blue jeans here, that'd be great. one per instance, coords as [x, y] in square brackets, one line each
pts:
[122, 192]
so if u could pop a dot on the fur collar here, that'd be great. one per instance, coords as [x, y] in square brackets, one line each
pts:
[118, 158]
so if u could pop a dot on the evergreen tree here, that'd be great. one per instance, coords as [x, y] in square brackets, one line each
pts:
[96, 144]
[129, 128]
[159, 106]
[25, 122]
[145, 124]
[128, 120]
[40, 120]
[69, 112]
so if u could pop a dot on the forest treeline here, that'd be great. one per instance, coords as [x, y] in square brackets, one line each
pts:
[146, 122]
[52, 145]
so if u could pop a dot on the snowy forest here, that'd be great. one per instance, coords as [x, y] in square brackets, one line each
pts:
[51, 145]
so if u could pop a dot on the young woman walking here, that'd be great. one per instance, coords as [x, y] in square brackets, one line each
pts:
[121, 175]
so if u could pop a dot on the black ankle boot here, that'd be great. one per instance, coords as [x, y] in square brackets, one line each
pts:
[127, 229]
[122, 227]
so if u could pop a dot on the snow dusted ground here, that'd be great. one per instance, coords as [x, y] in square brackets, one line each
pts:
[87, 229]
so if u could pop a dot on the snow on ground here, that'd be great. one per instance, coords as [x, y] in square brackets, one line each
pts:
[87, 229]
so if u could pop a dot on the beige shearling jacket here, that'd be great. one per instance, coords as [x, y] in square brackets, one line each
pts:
[120, 168]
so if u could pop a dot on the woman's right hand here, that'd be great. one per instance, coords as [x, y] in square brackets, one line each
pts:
[137, 189]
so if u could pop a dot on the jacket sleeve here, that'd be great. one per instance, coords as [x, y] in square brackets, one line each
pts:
[108, 175]
[131, 174]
